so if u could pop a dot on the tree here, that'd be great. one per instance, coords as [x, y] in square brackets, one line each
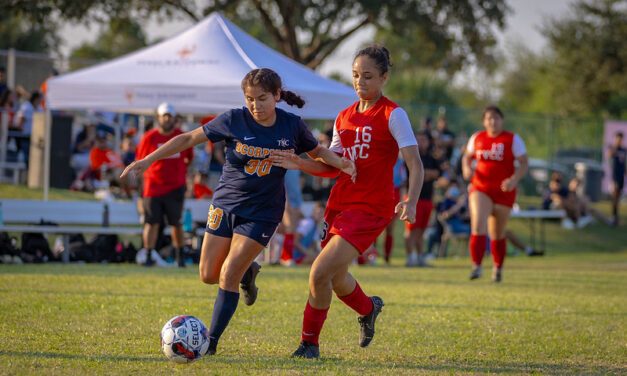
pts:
[308, 31]
[590, 57]
[19, 34]
[120, 37]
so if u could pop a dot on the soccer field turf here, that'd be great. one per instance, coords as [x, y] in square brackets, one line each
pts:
[551, 315]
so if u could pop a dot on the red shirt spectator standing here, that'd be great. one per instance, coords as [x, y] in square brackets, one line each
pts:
[164, 186]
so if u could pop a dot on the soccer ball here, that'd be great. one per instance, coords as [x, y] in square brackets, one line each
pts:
[184, 339]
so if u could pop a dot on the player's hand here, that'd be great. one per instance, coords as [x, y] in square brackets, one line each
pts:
[407, 210]
[135, 168]
[508, 185]
[285, 159]
[349, 168]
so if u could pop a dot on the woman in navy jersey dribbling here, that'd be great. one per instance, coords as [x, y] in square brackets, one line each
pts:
[249, 201]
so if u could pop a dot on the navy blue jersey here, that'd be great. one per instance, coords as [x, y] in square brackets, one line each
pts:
[619, 163]
[250, 186]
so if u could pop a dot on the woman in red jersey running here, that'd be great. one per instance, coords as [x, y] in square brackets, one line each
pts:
[370, 132]
[492, 191]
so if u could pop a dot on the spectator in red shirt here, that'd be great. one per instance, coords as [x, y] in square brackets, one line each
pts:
[201, 190]
[164, 187]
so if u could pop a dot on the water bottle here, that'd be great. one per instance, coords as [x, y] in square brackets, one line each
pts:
[105, 216]
[187, 221]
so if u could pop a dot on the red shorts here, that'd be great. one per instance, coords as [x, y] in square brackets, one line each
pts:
[355, 226]
[496, 194]
[423, 213]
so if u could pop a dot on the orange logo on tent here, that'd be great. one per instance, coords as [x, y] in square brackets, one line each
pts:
[186, 51]
[129, 95]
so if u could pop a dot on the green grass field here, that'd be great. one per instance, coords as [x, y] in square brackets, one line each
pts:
[564, 313]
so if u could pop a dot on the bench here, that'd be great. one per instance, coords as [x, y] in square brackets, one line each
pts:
[534, 216]
[81, 217]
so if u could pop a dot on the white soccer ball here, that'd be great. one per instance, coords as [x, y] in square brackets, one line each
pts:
[184, 339]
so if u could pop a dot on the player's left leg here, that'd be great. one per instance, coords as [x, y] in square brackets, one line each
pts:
[497, 226]
[241, 255]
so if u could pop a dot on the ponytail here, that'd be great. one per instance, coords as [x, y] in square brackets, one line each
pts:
[292, 98]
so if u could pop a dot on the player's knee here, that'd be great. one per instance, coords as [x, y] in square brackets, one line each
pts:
[206, 276]
[318, 278]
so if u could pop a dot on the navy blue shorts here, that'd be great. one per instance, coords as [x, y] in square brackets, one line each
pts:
[224, 224]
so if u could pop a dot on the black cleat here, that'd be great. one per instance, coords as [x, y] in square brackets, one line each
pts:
[307, 350]
[367, 322]
[476, 272]
[247, 284]
[497, 274]
[213, 347]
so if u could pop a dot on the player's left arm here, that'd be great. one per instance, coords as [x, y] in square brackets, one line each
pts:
[520, 153]
[523, 165]
[322, 154]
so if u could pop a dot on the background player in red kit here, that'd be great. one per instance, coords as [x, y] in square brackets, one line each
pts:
[370, 132]
[492, 191]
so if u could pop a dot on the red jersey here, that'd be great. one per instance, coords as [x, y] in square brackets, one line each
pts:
[370, 140]
[165, 175]
[495, 158]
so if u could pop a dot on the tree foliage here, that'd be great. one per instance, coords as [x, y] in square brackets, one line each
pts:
[583, 71]
[121, 36]
[19, 34]
[308, 31]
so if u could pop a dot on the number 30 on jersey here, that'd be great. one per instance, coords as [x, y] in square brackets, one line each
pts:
[261, 167]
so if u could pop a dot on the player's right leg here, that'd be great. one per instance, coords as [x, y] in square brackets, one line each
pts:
[480, 206]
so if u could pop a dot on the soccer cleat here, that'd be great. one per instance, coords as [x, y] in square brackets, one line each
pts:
[366, 332]
[497, 274]
[213, 347]
[247, 284]
[476, 272]
[307, 350]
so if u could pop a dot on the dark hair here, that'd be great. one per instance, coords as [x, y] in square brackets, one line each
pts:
[619, 134]
[269, 81]
[34, 96]
[4, 97]
[492, 108]
[379, 54]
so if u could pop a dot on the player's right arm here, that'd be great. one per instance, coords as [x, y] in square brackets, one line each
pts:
[469, 155]
[175, 145]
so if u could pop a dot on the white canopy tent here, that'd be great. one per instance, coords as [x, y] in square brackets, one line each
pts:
[199, 71]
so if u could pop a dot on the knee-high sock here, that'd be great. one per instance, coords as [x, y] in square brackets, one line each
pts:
[313, 319]
[358, 301]
[389, 242]
[477, 248]
[288, 247]
[499, 249]
[223, 309]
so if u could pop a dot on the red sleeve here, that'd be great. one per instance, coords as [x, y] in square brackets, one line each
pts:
[141, 151]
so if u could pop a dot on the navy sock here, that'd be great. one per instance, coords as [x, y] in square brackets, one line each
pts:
[223, 309]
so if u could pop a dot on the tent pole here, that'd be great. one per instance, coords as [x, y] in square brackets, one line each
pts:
[47, 153]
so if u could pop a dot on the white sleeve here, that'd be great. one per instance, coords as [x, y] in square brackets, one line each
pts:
[400, 127]
[518, 146]
[336, 142]
[470, 147]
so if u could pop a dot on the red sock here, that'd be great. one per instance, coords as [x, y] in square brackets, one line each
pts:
[477, 248]
[358, 301]
[288, 247]
[313, 319]
[498, 249]
[389, 242]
